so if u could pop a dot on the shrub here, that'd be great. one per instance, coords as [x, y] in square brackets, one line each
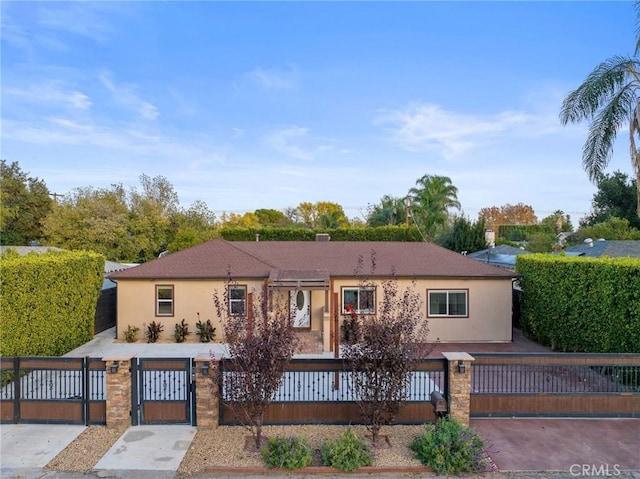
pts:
[205, 331]
[131, 334]
[153, 331]
[181, 331]
[450, 448]
[348, 452]
[287, 453]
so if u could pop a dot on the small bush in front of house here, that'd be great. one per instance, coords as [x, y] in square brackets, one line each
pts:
[131, 334]
[153, 331]
[348, 452]
[287, 453]
[181, 331]
[205, 331]
[449, 447]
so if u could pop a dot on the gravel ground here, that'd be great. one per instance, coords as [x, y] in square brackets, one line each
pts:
[224, 447]
[86, 450]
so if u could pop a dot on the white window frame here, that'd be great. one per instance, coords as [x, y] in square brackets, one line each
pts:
[242, 300]
[448, 303]
[357, 290]
[165, 301]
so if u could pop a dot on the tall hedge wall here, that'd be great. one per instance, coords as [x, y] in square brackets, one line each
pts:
[381, 233]
[48, 301]
[581, 304]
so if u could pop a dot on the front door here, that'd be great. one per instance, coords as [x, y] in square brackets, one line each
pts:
[300, 307]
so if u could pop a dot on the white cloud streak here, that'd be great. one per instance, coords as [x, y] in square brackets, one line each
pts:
[419, 127]
[274, 79]
[126, 96]
[50, 94]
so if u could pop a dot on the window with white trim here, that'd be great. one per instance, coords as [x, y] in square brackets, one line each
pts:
[164, 300]
[237, 300]
[362, 300]
[448, 303]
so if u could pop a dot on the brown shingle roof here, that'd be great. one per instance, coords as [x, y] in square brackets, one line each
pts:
[250, 259]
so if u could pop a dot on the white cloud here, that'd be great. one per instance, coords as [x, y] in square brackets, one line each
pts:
[126, 96]
[419, 127]
[274, 79]
[237, 133]
[81, 18]
[50, 93]
[287, 141]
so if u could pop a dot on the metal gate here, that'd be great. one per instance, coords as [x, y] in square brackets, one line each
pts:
[56, 390]
[162, 391]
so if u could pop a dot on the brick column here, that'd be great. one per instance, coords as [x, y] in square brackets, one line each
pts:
[118, 391]
[459, 385]
[207, 400]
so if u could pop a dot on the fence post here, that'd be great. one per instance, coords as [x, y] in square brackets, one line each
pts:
[459, 394]
[118, 374]
[207, 401]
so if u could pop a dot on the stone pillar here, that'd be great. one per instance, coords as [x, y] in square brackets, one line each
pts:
[118, 413]
[207, 401]
[459, 385]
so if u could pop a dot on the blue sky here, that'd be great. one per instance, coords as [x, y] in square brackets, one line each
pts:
[248, 105]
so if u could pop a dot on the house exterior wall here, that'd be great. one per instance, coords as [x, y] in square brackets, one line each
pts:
[137, 304]
[489, 306]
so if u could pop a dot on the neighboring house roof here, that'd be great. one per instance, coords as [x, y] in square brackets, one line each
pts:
[112, 267]
[502, 255]
[611, 248]
[252, 259]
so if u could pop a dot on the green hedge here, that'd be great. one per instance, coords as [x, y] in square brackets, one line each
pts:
[381, 233]
[48, 302]
[581, 304]
[523, 232]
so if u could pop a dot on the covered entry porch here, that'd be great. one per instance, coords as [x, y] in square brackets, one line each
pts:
[312, 305]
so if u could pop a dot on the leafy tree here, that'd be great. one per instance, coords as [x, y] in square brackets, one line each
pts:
[247, 220]
[192, 226]
[611, 229]
[560, 221]
[617, 196]
[123, 225]
[260, 346]
[93, 220]
[608, 99]
[541, 242]
[24, 204]
[383, 353]
[431, 199]
[315, 215]
[464, 235]
[151, 212]
[332, 213]
[508, 214]
[270, 217]
[390, 211]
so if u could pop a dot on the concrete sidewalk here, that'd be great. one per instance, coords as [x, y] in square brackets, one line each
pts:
[152, 451]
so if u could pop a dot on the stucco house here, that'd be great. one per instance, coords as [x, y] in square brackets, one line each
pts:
[464, 300]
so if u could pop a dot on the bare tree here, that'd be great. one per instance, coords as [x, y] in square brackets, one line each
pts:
[383, 355]
[260, 343]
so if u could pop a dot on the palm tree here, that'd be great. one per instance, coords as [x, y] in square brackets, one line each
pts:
[608, 99]
[431, 199]
[390, 211]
